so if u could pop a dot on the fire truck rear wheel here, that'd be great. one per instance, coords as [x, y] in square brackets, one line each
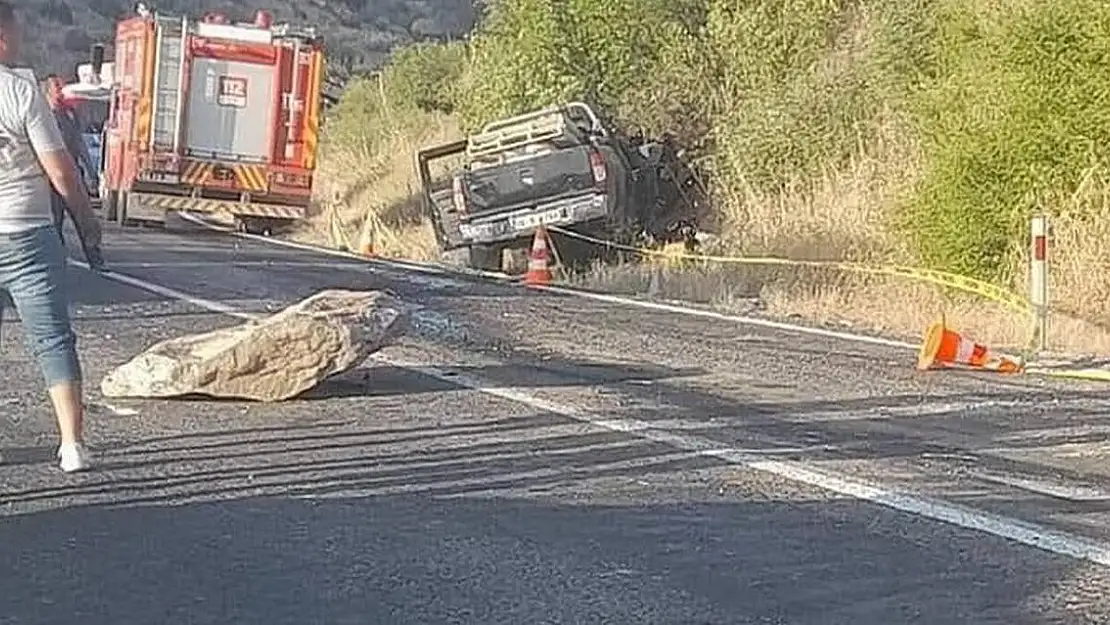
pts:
[254, 225]
[121, 207]
[485, 257]
[111, 206]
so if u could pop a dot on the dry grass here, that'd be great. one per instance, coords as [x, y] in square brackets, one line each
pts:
[1080, 255]
[1079, 269]
[374, 198]
[841, 216]
[888, 306]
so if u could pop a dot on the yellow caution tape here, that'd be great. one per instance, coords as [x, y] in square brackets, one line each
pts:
[1092, 375]
[967, 284]
[986, 290]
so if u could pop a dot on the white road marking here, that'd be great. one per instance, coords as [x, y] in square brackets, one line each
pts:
[708, 314]
[214, 306]
[1047, 487]
[1031, 534]
[600, 297]
[235, 265]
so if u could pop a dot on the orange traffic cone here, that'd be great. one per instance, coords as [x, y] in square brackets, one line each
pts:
[946, 347]
[539, 261]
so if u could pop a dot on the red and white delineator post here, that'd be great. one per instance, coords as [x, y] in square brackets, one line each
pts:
[1038, 277]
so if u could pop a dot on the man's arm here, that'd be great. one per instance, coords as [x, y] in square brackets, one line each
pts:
[47, 141]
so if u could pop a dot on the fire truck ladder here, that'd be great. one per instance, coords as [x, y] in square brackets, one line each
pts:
[169, 66]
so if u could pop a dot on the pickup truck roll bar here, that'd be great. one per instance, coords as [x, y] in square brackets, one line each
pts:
[505, 135]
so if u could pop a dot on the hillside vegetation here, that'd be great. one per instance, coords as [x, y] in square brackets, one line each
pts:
[918, 132]
[59, 33]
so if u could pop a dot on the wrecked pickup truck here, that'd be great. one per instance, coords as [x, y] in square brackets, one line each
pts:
[559, 166]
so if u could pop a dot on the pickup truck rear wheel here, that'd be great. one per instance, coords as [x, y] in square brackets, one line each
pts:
[484, 257]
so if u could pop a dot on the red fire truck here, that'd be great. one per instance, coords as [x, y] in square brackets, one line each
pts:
[212, 117]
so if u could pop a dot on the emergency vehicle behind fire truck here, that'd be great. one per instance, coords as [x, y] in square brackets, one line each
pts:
[89, 99]
[213, 117]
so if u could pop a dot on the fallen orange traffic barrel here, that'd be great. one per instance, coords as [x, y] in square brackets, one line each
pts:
[943, 347]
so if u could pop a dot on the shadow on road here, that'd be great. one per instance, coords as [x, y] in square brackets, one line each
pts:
[476, 535]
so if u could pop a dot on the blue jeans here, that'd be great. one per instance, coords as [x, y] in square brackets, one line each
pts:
[33, 272]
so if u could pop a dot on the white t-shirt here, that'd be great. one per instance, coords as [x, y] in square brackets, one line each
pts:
[27, 128]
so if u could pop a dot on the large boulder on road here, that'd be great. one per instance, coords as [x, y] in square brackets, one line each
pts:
[272, 359]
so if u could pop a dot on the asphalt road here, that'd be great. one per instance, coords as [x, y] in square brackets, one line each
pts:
[528, 457]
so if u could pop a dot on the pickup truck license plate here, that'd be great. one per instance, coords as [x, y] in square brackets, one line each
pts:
[525, 222]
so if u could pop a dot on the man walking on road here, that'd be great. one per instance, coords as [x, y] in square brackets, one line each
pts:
[71, 134]
[33, 156]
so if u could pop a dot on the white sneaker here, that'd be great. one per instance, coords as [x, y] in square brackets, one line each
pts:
[74, 457]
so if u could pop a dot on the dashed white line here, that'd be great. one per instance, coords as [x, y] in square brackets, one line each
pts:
[1031, 534]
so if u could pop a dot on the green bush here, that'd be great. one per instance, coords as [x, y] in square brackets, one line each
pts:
[516, 63]
[533, 53]
[426, 76]
[1018, 115]
[806, 82]
[418, 80]
[355, 123]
